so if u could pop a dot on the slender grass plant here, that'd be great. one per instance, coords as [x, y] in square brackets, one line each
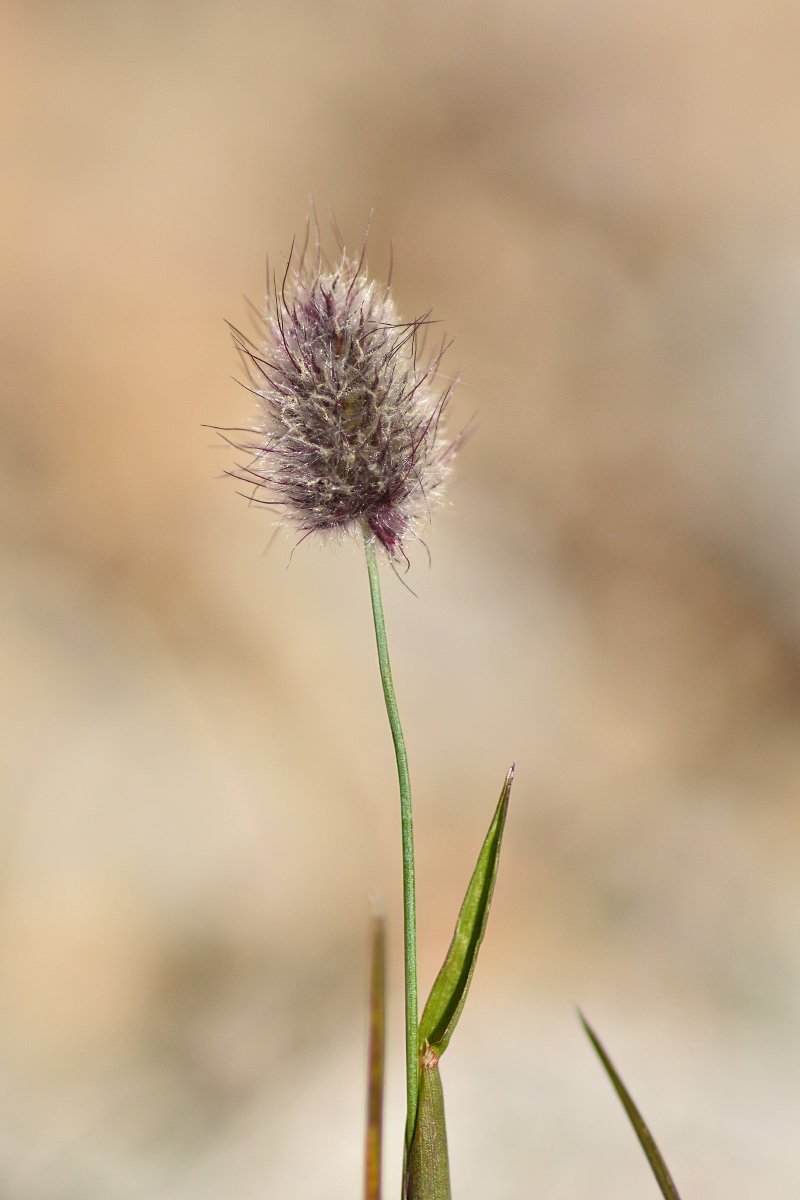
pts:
[349, 440]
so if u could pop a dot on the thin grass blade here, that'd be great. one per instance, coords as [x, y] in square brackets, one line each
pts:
[652, 1152]
[376, 1056]
[450, 989]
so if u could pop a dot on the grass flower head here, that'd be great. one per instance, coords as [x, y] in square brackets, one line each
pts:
[348, 437]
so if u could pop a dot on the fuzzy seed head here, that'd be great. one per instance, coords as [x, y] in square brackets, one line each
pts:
[348, 436]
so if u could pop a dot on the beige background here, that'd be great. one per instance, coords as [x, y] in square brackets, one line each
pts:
[602, 199]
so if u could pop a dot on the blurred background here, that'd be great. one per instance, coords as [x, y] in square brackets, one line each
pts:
[601, 199]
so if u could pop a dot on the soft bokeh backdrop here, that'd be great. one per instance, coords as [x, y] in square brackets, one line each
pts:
[601, 199]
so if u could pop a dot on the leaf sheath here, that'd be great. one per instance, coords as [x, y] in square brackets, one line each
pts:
[428, 1175]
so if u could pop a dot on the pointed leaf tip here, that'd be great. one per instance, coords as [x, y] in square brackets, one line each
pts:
[449, 991]
[651, 1150]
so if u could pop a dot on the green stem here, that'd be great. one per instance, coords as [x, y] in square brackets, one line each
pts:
[407, 827]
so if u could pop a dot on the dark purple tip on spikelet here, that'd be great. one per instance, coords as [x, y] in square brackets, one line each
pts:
[348, 437]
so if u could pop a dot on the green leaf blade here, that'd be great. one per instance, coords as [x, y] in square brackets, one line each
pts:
[450, 988]
[651, 1150]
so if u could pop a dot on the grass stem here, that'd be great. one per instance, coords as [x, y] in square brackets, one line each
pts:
[407, 830]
